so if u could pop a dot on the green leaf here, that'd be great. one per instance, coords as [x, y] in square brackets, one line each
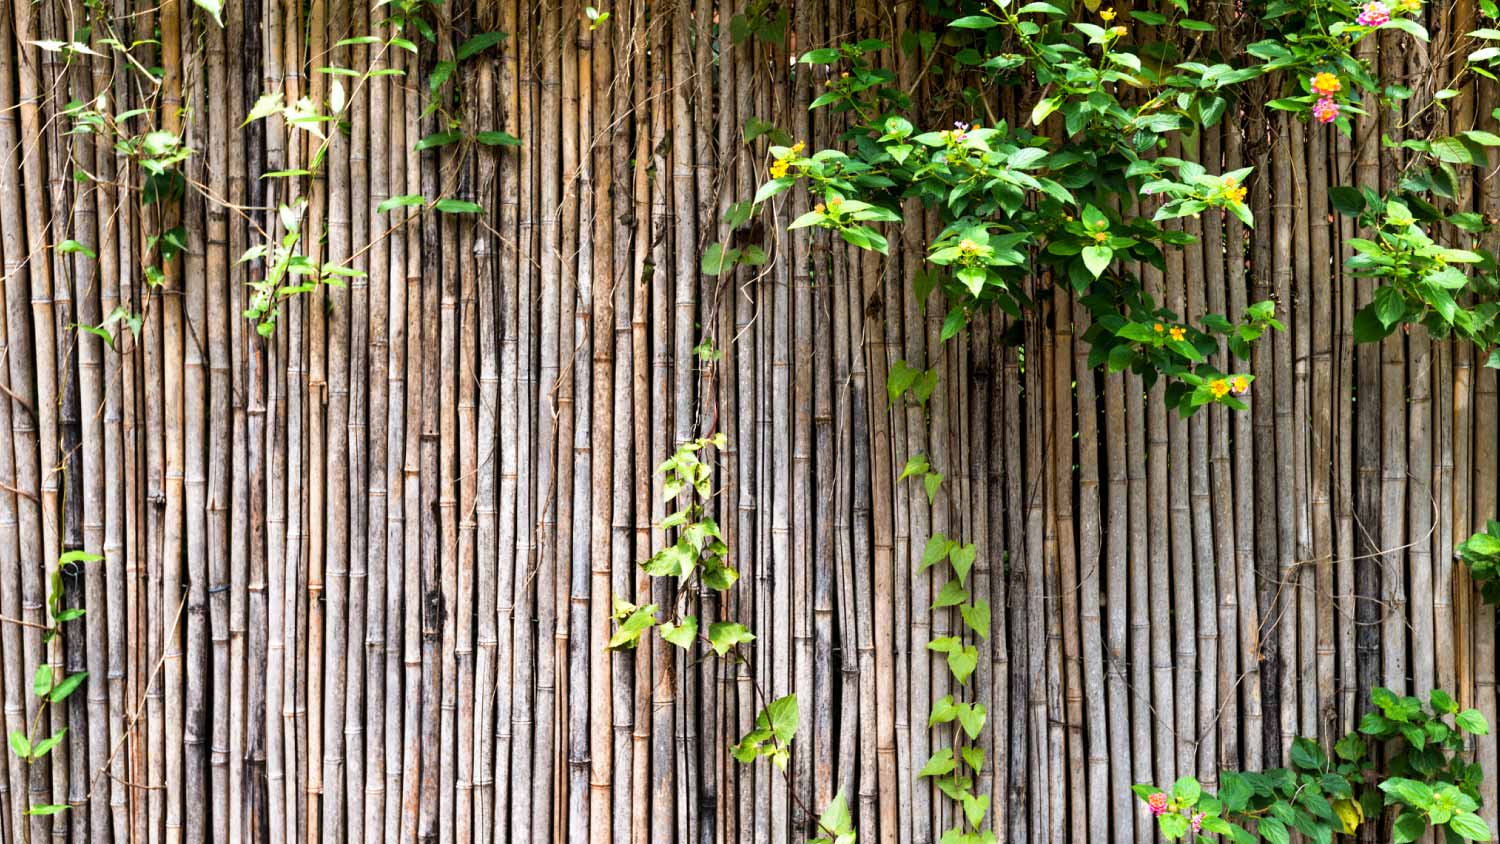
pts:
[724, 635]
[437, 139]
[916, 465]
[971, 718]
[1346, 200]
[19, 744]
[782, 717]
[478, 44]
[215, 8]
[952, 594]
[47, 809]
[1272, 830]
[1471, 721]
[836, 817]
[1187, 791]
[962, 663]
[1097, 259]
[405, 201]
[975, 22]
[68, 685]
[1307, 755]
[630, 630]
[931, 481]
[46, 745]
[497, 139]
[681, 635]
[69, 247]
[1410, 826]
[974, 756]
[975, 808]
[962, 559]
[458, 206]
[977, 617]
[41, 681]
[1174, 826]
[939, 764]
[1470, 826]
[938, 547]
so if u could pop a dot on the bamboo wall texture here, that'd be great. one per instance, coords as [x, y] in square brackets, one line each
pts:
[357, 578]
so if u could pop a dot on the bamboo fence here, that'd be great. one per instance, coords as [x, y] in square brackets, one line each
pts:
[357, 577]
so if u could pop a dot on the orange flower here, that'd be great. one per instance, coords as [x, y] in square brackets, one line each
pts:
[1159, 328]
[1100, 237]
[1326, 83]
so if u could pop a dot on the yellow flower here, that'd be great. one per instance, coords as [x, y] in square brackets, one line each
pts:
[798, 147]
[1326, 83]
[1119, 31]
[835, 202]
[1233, 192]
[1107, 14]
[1178, 332]
[1241, 384]
[1220, 388]
[1410, 5]
[778, 168]
[1159, 328]
[968, 247]
[1100, 237]
[818, 208]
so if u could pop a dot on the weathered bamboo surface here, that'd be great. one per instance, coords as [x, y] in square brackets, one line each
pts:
[357, 578]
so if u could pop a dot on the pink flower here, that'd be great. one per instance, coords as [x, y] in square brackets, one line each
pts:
[1197, 821]
[1374, 14]
[1325, 110]
[1158, 804]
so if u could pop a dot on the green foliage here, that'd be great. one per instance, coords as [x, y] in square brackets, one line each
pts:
[1424, 783]
[47, 685]
[1481, 553]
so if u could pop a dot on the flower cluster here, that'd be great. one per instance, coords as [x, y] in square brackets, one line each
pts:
[1158, 803]
[1374, 14]
[780, 166]
[1326, 85]
[1233, 192]
[1237, 384]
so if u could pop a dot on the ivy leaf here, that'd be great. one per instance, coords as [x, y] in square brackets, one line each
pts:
[974, 756]
[931, 481]
[836, 818]
[68, 685]
[971, 718]
[941, 763]
[681, 635]
[977, 617]
[975, 808]
[963, 662]
[916, 465]
[937, 548]
[724, 635]
[952, 594]
[782, 717]
[962, 559]
[943, 711]
[639, 621]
